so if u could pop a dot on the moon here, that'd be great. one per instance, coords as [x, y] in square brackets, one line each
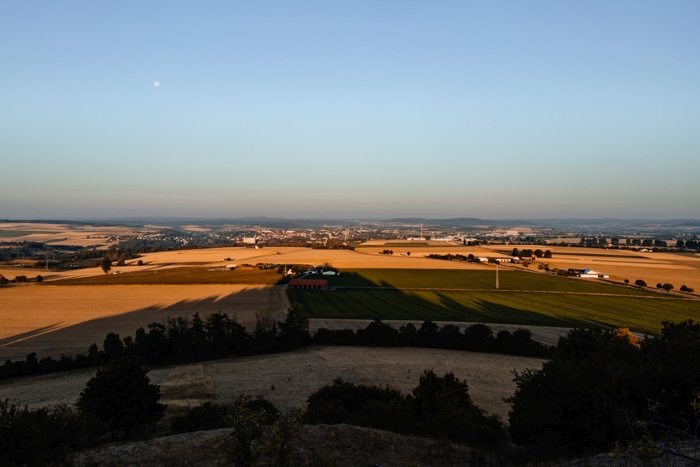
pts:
[156, 83]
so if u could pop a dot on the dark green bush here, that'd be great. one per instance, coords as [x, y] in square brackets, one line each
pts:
[40, 437]
[601, 389]
[439, 407]
[213, 415]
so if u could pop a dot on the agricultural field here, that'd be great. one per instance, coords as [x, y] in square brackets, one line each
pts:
[5, 234]
[179, 276]
[51, 320]
[53, 317]
[64, 234]
[470, 296]
[651, 267]
[484, 278]
[359, 258]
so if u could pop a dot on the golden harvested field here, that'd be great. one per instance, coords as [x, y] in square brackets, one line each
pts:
[294, 255]
[51, 320]
[63, 234]
[624, 264]
[422, 249]
[11, 272]
[287, 379]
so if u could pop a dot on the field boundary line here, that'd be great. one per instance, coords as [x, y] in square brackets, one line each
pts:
[561, 292]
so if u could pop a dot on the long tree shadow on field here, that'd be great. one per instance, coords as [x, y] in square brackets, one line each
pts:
[487, 311]
[349, 279]
[53, 341]
[398, 304]
[29, 334]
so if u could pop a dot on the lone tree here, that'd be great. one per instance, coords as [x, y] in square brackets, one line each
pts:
[106, 264]
[640, 283]
[667, 287]
[121, 397]
[113, 346]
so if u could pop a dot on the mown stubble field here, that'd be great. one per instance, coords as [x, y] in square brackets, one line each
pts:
[65, 234]
[51, 320]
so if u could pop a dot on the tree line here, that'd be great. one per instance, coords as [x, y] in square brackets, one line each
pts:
[217, 335]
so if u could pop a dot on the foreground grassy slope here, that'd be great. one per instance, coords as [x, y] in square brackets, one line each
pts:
[527, 299]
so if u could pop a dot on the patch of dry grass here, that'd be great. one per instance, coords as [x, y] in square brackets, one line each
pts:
[318, 445]
[185, 387]
[333, 446]
[288, 379]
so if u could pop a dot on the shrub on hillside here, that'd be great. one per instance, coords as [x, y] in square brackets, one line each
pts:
[120, 397]
[214, 415]
[438, 407]
[40, 437]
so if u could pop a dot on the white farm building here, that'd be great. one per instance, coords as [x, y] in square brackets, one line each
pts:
[590, 273]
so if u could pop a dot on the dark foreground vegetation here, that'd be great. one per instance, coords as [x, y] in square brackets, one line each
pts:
[439, 407]
[602, 391]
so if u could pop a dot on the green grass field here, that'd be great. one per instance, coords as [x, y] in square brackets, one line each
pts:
[179, 276]
[22, 233]
[474, 279]
[523, 298]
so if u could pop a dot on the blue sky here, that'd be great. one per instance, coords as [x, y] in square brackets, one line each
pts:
[350, 109]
